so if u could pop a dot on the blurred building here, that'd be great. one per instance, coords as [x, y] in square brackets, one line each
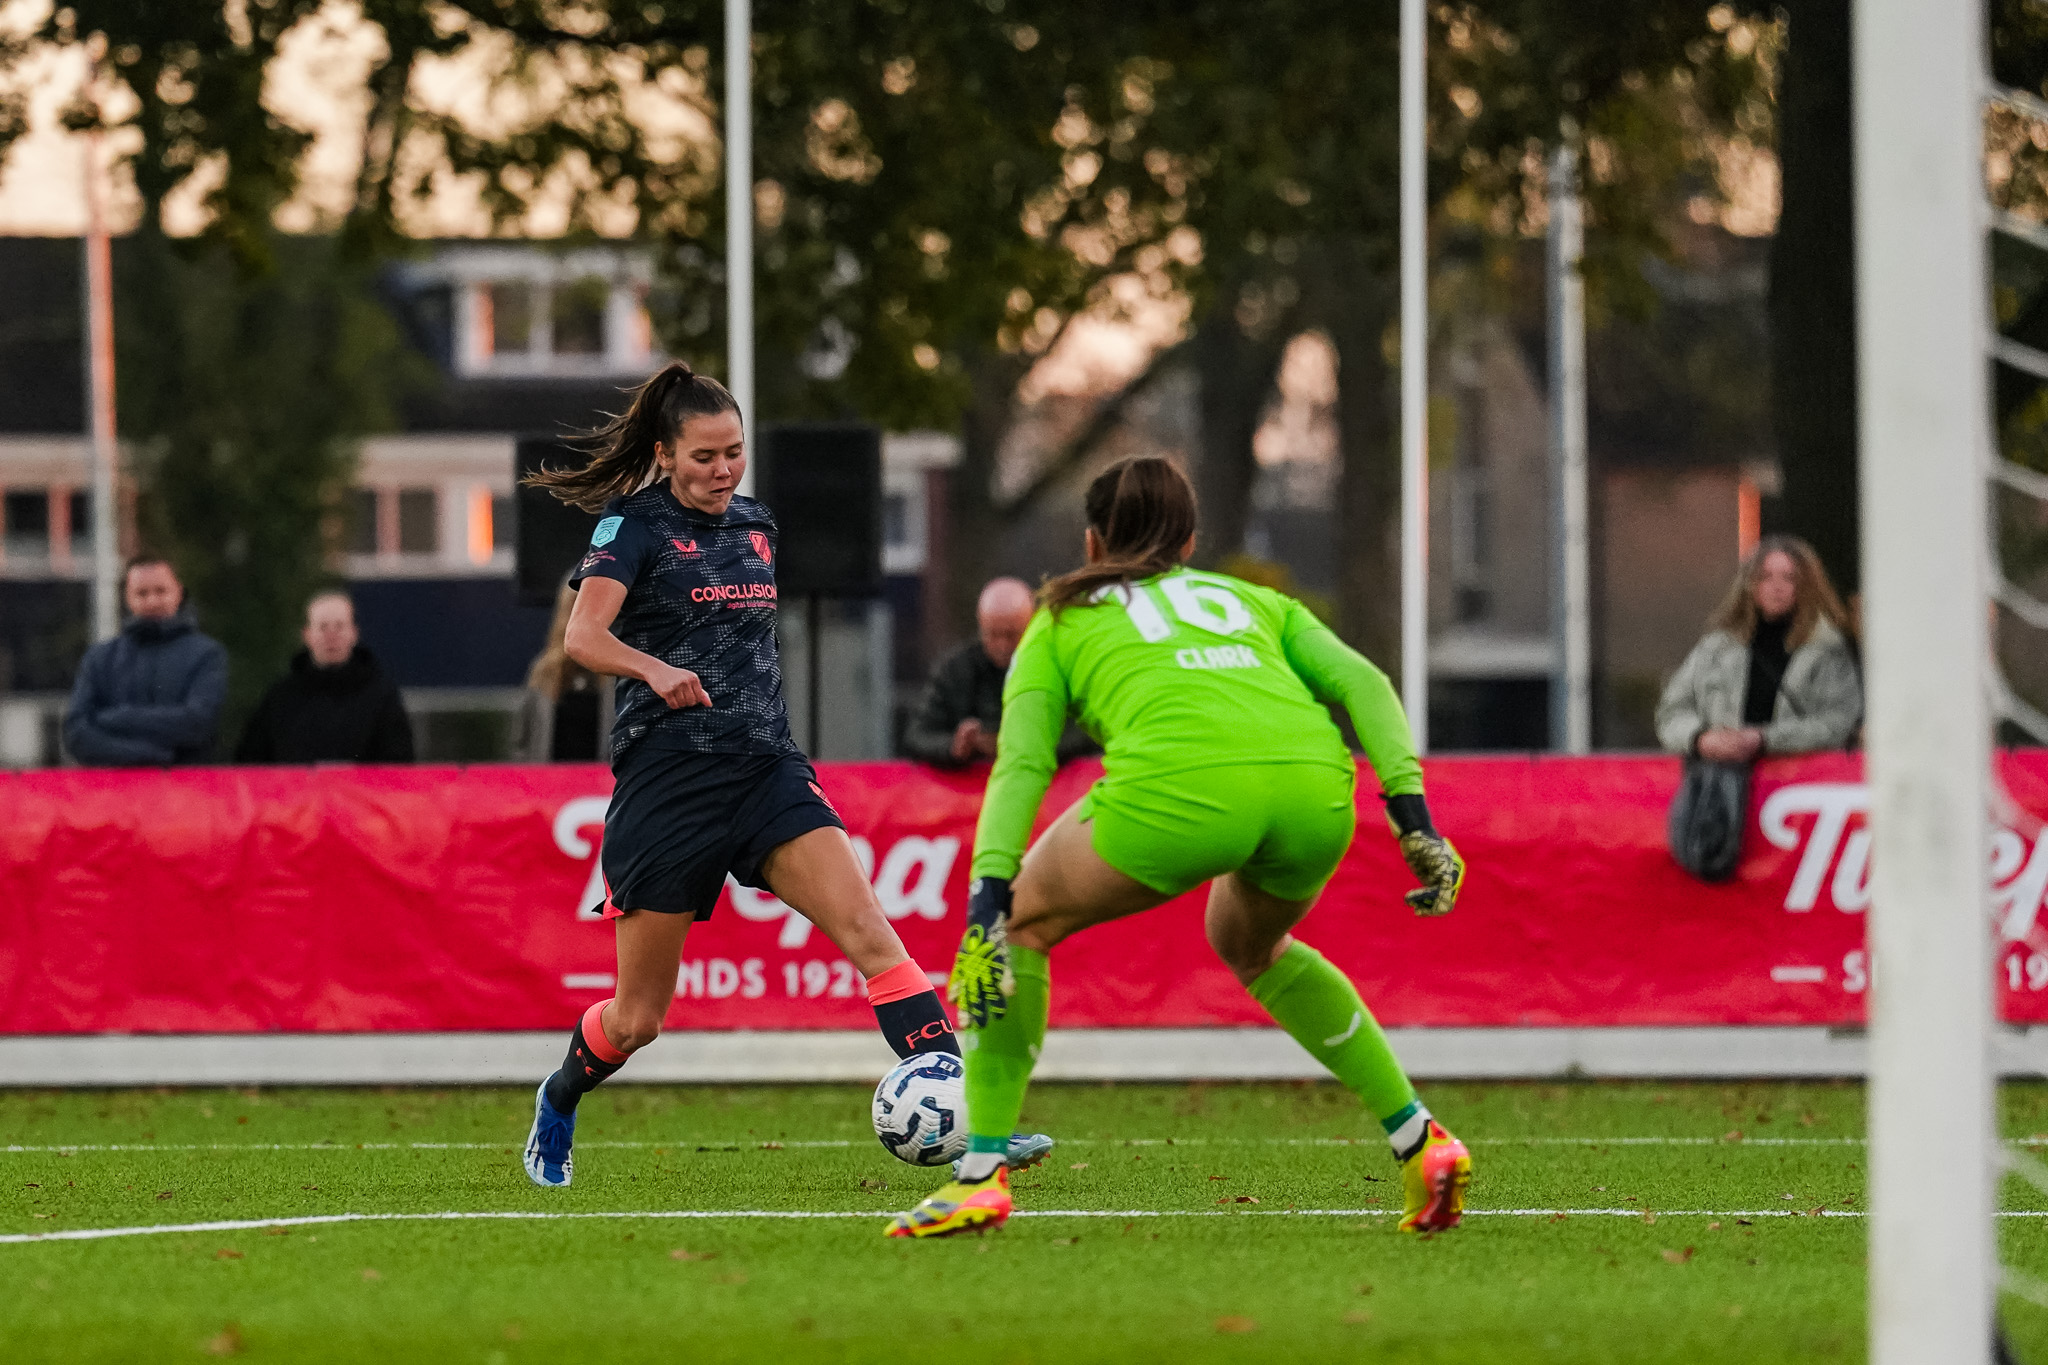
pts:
[522, 339]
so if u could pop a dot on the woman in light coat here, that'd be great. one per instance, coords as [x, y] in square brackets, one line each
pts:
[1775, 673]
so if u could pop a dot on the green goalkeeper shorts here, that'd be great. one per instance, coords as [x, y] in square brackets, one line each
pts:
[1283, 826]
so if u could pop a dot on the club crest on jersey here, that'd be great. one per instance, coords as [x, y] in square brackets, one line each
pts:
[762, 550]
[685, 547]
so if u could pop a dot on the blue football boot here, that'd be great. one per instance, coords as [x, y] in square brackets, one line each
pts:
[1026, 1151]
[548, 1161]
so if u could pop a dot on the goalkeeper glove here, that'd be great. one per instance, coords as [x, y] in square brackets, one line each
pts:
[982, 982]
[1429, 856]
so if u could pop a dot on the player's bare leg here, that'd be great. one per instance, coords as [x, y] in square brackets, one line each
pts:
[650, 949]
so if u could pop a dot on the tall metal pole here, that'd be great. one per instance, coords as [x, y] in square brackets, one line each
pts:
[99, 342]
[739, 216]
[1921, 329]
[1571, 681]
[1414, 373]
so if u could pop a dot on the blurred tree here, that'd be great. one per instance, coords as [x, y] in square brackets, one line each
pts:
[941, 187]
[1813, 291]
[244, 394]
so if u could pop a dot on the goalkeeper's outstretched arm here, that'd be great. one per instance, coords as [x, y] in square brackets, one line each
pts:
[1335, 672]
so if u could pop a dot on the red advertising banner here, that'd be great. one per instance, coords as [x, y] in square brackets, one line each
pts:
[430, 899]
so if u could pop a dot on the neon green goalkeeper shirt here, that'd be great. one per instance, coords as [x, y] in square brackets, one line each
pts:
[1184, 671]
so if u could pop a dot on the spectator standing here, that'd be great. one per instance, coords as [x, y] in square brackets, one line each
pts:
[1775, 673]
[335, 705]
[152, 694]
[566, 716]
[962, 708]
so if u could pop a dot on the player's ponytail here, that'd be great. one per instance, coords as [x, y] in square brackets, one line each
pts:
[622, 450]
[1142, 512]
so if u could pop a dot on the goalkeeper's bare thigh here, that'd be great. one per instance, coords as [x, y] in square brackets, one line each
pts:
[1250, 928]
[1064, 885]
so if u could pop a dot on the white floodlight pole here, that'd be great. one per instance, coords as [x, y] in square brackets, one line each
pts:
[99, 343]
[739, 217]
[1414, 373]
[1921, 330]
[1571, 679]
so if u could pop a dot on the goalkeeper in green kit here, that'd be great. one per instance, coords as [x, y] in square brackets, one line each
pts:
[1220, 763]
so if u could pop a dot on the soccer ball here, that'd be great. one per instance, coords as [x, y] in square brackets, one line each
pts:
[921, 1109]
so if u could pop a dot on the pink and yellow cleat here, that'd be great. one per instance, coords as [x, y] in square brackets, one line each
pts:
[1433, 1183]
[959, 1207]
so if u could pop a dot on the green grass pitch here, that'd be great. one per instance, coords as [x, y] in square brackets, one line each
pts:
[1242, 1226]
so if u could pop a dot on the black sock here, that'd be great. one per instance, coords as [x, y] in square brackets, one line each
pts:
[917, 1023]
[583, 1070]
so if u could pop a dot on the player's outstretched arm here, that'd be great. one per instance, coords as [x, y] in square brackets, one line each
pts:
[1335, 672]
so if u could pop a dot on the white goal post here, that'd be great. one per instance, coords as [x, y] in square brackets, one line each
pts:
[1923, 411]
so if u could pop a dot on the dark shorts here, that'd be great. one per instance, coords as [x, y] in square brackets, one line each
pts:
[680, 821]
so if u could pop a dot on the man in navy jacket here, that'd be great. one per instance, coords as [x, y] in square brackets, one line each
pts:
[152, 694]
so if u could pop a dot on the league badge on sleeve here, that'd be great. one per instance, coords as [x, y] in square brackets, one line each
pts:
[606, 532]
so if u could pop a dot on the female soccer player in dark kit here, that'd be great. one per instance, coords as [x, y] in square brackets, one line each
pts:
[676, 599]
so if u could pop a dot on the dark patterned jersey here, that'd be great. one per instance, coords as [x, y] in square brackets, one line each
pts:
[700, 594]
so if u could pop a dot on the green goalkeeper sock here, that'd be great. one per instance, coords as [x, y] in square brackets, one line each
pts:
[1321, 1010]
[1000, 1057]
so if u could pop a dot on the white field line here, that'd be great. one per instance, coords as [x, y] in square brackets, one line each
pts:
[315, 1220]
[732, 1144]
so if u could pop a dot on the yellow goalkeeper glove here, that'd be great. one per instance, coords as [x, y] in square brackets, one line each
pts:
[1429, 856]
[982, 982]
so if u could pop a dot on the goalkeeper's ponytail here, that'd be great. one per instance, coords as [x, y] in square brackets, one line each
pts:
[1142, 512]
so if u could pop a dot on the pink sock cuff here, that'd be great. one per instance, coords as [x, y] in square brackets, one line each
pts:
[900, 982]
[593, 1034]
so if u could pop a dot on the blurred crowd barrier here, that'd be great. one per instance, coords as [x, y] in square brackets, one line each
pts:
[442, 898]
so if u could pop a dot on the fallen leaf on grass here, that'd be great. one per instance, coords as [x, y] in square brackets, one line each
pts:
[227, 1254]
[1247, 1199]
[1677, 1257]
[1066, 1241]
[277, 1232]
[1233, 1323]
[1358, 1315]
[681, 1254]
[309, 1187]
[228, 1342]
[771, 1146]
[1714, 1226]
[733, 1277]
[1558, 1217]
[370, 1274]
[42, 1215]
[1742, 1222]
[1078, 1166]
[1219, 1177]
[1732, 1135]
[1649, 1216]
[868, 1184]
[164, 1194]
